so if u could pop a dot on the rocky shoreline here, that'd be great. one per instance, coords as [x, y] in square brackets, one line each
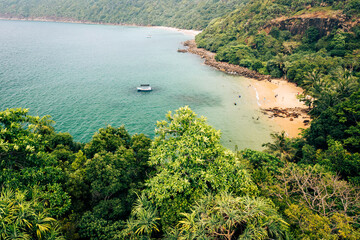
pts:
[285, 114]
[290, 113]
[228, 68]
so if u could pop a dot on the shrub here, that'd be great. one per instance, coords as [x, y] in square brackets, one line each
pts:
[273, 68]
[246, 63]
[257, 64]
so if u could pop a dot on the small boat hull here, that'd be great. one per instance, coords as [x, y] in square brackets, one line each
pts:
[144, 88]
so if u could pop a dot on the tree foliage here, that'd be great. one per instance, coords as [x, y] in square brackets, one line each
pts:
[183, 14]
[184, 183]
[22, 218]
[227, 217]
[58, 181]
[286, 38]
[190, 163]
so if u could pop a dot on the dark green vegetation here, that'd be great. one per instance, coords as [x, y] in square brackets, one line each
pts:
[194, 14]
[182, 185]
[315, 44]
[303, 41]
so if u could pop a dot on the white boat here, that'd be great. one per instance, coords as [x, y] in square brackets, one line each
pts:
[144, 88]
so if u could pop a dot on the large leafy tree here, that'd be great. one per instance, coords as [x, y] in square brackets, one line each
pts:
[111, 178]
[190, 163]
[22, 139]
[24, 161]
[315, 202]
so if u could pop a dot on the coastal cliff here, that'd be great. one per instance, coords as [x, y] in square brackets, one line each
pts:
[325, 22]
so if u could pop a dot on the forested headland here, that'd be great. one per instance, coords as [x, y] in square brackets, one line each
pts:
[184, 184]
[315, 44]
[195, 14]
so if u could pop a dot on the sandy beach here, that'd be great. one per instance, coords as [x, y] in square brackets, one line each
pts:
[275, 97]
[281, 94]
[192, 33]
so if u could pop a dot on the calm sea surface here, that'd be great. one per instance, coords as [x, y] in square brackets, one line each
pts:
[85, 77]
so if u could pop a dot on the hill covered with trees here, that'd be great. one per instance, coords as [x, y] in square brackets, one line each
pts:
[291, 39]
[315, 44]
[195, 14]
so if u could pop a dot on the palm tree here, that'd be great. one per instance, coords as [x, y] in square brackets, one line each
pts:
[281, 60]
[143, 221]
[22, 219]
[345, 84]
[312, 79]
[282, 147]
[227, 217]
[327, 92]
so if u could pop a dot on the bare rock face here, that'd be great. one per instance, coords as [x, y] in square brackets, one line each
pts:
[300, 25]
[324, 22]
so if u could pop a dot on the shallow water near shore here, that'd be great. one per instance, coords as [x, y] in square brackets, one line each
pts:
[85, 76]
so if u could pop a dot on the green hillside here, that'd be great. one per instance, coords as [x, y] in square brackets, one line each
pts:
[288, 39]
[189, 14]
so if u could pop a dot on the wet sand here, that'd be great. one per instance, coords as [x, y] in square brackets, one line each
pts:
[69, 20]
[281, 94]
[184, 31]
[293, 112]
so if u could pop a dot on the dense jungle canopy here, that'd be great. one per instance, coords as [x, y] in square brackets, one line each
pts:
[184, 184]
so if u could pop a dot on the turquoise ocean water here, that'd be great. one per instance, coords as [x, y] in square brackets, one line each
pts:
[85, 77]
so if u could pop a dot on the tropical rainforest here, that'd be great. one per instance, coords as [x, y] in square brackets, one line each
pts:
[184, 184]
[194, 14]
